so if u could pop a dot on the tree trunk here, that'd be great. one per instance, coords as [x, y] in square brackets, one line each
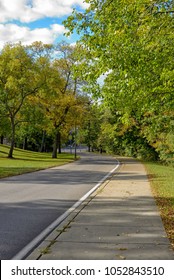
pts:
[89, 136]
[25, 143]
[59, 142]
[2, 139]
[55, 145]
[42, 147]
[10, 154]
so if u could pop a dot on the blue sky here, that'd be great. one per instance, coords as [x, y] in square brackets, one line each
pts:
[35, 20]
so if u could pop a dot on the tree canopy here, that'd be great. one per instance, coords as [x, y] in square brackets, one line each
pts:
[131, 44]
[38, 91]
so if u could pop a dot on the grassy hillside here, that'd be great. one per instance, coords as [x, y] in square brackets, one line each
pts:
[162, 182]
[27, 161]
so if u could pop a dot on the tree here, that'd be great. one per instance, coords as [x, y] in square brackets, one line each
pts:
[66, 90]
[23, 72]
[17, 82]
[91, 127]
[130, 42]
[55, 100]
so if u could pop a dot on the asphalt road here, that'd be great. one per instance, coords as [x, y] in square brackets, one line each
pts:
[29, 203]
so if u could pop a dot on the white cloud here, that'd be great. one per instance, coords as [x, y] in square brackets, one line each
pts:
[32, 10]
[13, 33]
[27, 11]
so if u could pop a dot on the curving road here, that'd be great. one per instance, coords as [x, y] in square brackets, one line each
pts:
[29, 203]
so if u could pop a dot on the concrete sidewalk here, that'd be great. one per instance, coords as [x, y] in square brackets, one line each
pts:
[119, 221]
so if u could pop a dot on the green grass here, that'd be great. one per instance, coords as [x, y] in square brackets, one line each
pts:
[28, 161]
[162, 183]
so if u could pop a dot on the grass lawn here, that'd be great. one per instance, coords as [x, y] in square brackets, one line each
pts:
[27, 161]
[162, 182]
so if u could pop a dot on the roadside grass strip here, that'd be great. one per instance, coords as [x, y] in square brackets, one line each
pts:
[162, 182]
